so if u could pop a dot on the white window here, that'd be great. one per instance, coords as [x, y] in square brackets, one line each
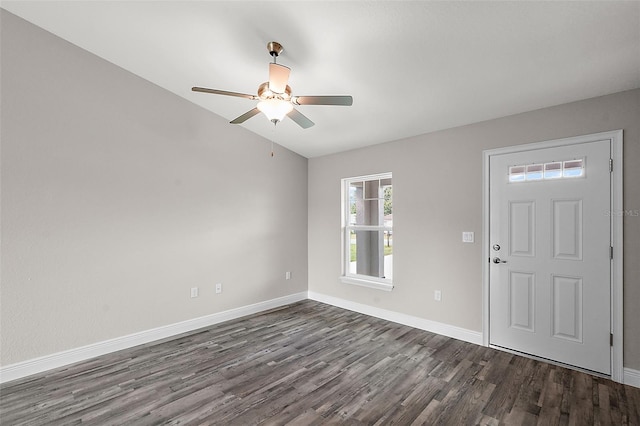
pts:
[367, 230]
[546, 171]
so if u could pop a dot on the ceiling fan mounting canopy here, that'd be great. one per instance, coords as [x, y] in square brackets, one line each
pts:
[274, 48]
[275, 97]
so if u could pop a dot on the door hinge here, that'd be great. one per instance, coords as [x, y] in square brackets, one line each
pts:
[611, 339]
[610, 252]
[610, 165]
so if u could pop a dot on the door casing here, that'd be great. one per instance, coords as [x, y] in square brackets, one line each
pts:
[617, 367]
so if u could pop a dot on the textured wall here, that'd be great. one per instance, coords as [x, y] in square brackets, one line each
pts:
[118, 197]
[437, 194]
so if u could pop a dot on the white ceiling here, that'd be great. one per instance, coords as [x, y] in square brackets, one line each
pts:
[412, 67]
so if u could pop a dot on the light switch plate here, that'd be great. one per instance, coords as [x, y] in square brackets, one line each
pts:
[467, 237]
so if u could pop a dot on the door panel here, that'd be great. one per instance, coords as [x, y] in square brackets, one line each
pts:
[522, 232]
[567, 308]
[522, 298]
[549, 291]
[567, 229]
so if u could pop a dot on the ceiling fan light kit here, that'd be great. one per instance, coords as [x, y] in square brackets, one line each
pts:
[275, 109]
[275, 97]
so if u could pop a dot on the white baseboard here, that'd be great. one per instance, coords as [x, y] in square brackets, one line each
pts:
[60, 359]
[400, 318]
[632, 377]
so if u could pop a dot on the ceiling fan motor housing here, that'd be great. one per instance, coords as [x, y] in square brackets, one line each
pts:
[264, 92]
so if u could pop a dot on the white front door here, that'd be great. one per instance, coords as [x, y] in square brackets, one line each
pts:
[550, 238]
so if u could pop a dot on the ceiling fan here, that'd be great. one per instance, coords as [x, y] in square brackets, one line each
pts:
[275, 97]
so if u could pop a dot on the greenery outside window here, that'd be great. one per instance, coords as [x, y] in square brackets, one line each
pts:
[368, 231]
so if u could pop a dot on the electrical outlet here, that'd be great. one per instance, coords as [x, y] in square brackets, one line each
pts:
[194, 292]
[437, 295]
[287, 275]
[219, 288]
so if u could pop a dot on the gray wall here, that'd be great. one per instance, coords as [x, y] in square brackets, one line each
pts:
[118, 197]
[437, 194]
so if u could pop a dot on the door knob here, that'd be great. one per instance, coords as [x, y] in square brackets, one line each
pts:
[497, 260]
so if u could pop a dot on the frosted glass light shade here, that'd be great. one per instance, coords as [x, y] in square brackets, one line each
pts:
[275, 109]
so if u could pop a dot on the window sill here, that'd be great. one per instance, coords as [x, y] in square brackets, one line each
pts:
[378, 285]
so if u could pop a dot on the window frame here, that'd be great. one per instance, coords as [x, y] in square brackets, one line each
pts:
[347, 277]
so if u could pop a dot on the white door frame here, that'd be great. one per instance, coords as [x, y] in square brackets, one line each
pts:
[615, 136]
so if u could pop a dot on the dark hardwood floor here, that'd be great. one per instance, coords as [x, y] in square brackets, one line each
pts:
[311, 364]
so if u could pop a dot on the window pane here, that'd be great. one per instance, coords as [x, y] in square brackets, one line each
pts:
[372, 189]
[534, 172]
[364, 211]
[553, 170]
[516, 173]
[355, 193]
[573, 168]
[371, 253]
[387, 192]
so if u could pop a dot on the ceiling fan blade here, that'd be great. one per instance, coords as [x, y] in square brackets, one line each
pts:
[345, 100]
[300, 119]
[278, 77]
[224, 92]
[247, 115]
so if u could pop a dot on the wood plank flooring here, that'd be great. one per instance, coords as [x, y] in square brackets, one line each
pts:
[314, 364]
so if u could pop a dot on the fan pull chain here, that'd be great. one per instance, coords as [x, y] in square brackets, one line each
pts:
[272, 148]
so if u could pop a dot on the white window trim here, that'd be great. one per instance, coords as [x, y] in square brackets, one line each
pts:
[347, 277]
[367, 281]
